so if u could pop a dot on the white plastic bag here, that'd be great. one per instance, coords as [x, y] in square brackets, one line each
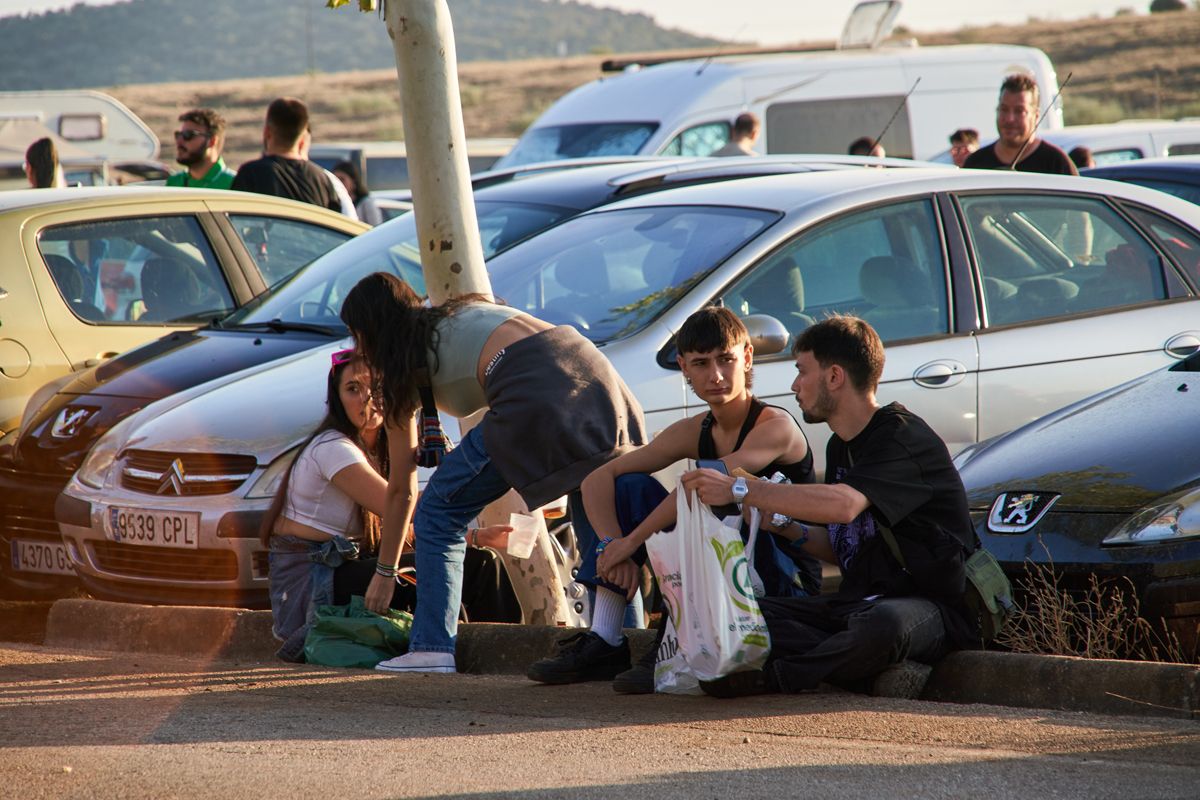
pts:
[704, 576]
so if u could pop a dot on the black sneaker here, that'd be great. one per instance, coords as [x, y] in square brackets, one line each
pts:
[638, 679]
[738, 684]
[582, 657]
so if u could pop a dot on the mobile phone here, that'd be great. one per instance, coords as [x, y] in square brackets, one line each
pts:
[712, 463]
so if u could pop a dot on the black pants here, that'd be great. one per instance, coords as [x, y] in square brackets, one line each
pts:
[487, 593]
[847, 642]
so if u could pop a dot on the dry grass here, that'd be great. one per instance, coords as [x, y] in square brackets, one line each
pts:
[1145, 66]
[1104, 621]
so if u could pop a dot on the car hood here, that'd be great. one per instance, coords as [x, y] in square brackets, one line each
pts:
[261, 412]
[62, 431]
[1115, 451]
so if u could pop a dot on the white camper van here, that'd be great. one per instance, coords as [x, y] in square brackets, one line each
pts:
[91, 130]
[808, 102]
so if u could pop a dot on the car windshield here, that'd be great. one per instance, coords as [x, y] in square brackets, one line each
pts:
[313, 296]
[554, 142]
[611, 273]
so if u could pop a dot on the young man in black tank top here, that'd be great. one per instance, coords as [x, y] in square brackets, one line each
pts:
[626, 505]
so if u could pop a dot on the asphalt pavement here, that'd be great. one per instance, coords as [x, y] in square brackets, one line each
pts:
[92, 724]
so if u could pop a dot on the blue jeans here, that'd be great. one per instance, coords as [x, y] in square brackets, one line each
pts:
[301, 578]
[462, 485]
[636, 495]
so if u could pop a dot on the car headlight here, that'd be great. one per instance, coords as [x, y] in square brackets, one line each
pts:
[94, 470]
[1171, 520]
[268, 483]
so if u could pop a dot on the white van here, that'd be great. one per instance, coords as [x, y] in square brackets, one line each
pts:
[808, 102]
[1131, 139]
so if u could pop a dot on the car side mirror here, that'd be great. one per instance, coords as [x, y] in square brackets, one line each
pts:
[767, 334]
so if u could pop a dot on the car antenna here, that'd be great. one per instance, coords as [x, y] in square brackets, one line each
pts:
[875, 142]
[1041, 117]
[708, 60]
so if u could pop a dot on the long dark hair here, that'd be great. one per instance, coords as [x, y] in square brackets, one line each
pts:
[351, 169]
[42, 157]
[392, 327]
[336, 419]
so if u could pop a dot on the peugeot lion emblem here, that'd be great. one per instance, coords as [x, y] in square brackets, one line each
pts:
[1017, 512]
[173, 479]
[69, 421]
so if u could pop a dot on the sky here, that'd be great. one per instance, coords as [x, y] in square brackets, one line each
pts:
[784, 21]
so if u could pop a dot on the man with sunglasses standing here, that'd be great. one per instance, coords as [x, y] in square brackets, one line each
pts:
[198, 145]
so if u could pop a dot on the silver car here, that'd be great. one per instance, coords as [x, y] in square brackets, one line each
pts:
[1000, 297]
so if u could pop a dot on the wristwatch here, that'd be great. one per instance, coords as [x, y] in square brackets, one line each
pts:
[739, 489]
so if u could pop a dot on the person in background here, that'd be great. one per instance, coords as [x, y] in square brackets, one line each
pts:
[198, 145]
[555, 410]
[742, 137]
[963, 142]
[368, 210]
[866, 146]
[1016, 120]
[41, 165]
[1081, 157]
[322, 529]
[284, 169]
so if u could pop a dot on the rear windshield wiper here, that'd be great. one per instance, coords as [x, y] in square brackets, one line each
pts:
[280, 326]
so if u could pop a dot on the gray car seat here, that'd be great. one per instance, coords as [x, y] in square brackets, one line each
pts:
[902, 304]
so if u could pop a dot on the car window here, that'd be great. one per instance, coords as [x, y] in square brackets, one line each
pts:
[314, 295]
[1102, 157]
[610, 273]
[1188, 191]
[699, 140]
[282, 246]
[1046, 256]
[884, 264]
[142, 270]
[553, 142]
[1184, 149]
[1182, 244]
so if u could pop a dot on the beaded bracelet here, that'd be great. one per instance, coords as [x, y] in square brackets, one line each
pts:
[473, 537]
[387, 572]
[603, 543]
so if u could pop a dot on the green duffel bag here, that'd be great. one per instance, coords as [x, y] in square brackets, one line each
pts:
[352, 636]
[989, 593]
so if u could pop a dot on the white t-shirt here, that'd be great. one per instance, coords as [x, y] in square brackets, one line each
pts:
[312, 498]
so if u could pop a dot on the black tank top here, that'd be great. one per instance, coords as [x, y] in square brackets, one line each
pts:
[797, 472]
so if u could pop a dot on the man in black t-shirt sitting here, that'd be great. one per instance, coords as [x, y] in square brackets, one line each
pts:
[283, 170]
[1016, 122]
[884, 468]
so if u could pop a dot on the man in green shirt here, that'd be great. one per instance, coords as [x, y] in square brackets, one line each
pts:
[198, 144]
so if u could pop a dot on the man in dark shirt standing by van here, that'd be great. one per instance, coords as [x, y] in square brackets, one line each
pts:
[284, 171]
[1016, 122]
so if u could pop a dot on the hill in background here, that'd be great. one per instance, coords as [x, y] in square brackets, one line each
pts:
[147, 41]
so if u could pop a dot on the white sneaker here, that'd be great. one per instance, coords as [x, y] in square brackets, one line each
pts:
[420, 661]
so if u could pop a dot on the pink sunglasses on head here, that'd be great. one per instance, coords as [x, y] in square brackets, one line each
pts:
[341, 357]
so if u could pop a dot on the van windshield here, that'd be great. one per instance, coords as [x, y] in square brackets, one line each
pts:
[555, 142]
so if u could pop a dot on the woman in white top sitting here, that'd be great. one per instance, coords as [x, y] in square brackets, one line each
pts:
[323, 527]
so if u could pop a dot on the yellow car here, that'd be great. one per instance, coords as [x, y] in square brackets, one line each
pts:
[87, 273]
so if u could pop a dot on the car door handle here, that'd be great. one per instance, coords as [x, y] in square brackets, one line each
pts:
[940, 374]
[1182, 345]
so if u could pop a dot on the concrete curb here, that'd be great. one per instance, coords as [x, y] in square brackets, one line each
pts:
[1007, 679]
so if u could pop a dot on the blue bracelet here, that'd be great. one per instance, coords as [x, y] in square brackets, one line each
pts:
[603, 543]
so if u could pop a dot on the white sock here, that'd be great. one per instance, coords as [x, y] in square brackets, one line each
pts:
[607, 615]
